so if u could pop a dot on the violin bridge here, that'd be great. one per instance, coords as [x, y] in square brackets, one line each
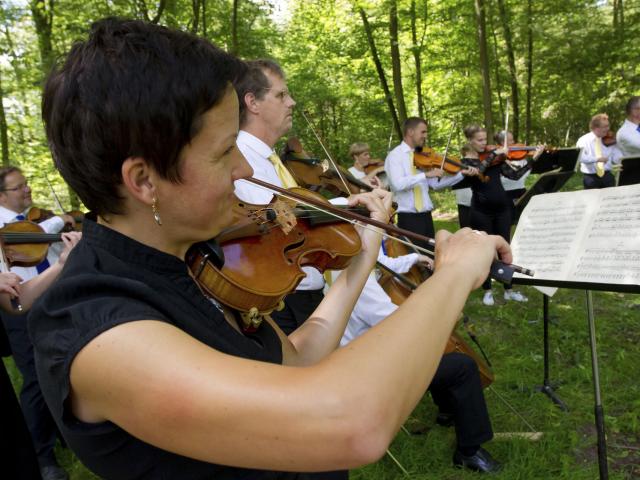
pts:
[285, 217]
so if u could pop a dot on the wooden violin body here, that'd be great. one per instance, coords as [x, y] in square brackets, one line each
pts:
[315, 174]
[264, 251]
[38, 215]
[25, 243]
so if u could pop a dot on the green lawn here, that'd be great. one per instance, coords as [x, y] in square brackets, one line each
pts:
[511, 335]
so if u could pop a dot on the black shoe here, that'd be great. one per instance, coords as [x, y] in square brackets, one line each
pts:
[53, 472]
[445, 419]
[481, 461]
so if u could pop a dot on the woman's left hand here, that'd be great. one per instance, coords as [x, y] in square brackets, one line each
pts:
[378, 202]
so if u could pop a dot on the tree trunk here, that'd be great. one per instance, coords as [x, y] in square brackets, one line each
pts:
[381, 75]
[195, 8]
[204, 18]
[396, 68]
[484, 66]
[4, 135]
[496, 61]
[417, 48]
[529, 70]
[42, 13]
[513, 78]
[234, 28]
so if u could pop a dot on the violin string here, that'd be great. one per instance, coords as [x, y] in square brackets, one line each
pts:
[348, 220]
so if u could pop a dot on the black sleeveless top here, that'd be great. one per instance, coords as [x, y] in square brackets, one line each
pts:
[490, 196]
[110, 279]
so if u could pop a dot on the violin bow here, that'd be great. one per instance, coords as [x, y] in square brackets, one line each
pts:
[506, 126]
[335, 166]
[446, 149]
[55, 195]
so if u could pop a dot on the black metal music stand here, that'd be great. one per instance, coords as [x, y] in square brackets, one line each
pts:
[563, 158]
[598, 410]
[630, 173]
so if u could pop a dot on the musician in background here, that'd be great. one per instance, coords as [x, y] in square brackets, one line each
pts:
[361, 156]
[410, 186]
[628, 136]
[596, 158]
[15, 201]
[456, 388]
[514, 188]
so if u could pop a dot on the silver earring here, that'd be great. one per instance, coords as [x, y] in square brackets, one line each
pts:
[156, 213]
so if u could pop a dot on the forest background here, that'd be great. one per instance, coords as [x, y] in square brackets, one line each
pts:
[359, 67]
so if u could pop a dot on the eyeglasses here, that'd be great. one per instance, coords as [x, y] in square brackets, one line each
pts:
[281, 95]
[22, 186]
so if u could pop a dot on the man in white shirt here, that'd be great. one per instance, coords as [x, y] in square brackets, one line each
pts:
[410, 186]
[628, 136]
[456, 388]
[596, 158]
[15, 201]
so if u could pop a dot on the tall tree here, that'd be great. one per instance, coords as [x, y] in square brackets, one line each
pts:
[42, 12]
[396, 64]
[4, 136]
[513, 77]
[234, 28]
[417, 49]
[481, 26]
[380, 70]
[529, 70]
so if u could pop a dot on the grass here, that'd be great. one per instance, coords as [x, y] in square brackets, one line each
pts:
[511, 335]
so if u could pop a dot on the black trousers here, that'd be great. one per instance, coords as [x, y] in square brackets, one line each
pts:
[298, 306]
[456, 389]
[494, 223]
[36, 413]
[420, 223]
[591, 180]
[464, 213]
[20, 460]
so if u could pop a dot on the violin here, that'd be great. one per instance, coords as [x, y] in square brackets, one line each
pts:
[315, 174]
[609, 139]
[375, 167]
[285, 230]
[25, 243]
[399, 287]
[38, 215]
[427, 158]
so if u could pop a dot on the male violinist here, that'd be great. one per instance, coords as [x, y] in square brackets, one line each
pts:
[628, 136]
[456, 388]
[410, 186]
[15, 201]
[596, 158]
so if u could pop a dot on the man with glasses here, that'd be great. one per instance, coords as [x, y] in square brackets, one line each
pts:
[15, 201]
[596, 158]
[628, 135]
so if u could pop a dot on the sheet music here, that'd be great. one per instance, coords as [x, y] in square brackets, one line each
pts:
[584, 236]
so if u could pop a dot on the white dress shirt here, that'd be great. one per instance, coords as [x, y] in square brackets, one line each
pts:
[357, 173]
[374, 305]
[399, 168]
[588, 157]
[509, 184]
[628, 138]
[51, 225]
[257, 154]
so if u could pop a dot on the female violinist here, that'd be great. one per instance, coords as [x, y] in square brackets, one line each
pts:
[146, 377]
[361, 156]
[491, 207]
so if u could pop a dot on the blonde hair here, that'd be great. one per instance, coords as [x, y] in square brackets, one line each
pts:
[596, 120]
[358, 148]
[470, 130]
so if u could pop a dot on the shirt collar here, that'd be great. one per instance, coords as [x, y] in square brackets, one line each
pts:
[405, 147]
[254, 143]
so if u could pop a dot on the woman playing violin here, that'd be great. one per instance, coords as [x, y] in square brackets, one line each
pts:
[491, 206]
[361, 156]
[148, 378]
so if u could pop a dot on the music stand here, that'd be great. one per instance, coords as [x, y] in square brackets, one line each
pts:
[630, 173]
[563, 158]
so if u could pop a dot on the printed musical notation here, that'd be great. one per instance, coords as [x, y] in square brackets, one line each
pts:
[588, 236]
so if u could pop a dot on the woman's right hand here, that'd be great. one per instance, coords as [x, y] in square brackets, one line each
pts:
[471, 251]
[10, 283]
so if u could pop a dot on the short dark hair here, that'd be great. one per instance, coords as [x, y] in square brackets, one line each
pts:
[4, 171]
[631, 103]
[131, 89]
[411, 123]
[470, 130]
[256, 82]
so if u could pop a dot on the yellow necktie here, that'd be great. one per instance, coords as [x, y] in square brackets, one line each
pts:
[283, 174]
[417, 191]
[599, 165]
